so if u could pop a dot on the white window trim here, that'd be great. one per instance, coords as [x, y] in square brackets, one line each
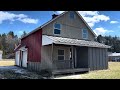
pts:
[57, 28]
[84, 33]
[61, 55]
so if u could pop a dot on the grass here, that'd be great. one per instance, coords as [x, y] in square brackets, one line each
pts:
[113, 72]
[7, 62]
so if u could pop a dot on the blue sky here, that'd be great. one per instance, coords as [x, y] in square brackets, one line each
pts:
[101, 22]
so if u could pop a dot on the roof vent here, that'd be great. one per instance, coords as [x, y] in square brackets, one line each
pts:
[54, 15]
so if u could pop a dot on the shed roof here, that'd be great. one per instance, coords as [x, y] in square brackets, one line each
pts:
[114, 54]
[69, 41]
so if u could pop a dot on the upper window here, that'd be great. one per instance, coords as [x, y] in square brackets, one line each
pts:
[72, 15]
[57, 28]
[60, 54]
[84, 34]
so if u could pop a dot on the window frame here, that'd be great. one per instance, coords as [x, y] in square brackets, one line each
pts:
[61, 55]
[57, 28]
[70, 15]
[84, 33]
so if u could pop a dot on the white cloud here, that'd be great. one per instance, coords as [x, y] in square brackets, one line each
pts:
[113, 22]
[92, 17]
[91, 13]
[13, 17]
[101, 31]
[29, 20]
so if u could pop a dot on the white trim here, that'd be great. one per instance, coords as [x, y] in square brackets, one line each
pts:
[57, 28]
[24, 58]
[84, 33]
[23, 48]
[46, 40]
[61, 55]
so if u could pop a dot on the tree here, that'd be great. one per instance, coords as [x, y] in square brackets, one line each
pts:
[11, 33]
[100, 39]
[24, 34]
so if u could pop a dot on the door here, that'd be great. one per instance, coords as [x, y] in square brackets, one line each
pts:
[24, 60]
[17, 57]
[82, 57]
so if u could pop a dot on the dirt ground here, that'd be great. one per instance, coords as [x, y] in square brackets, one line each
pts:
[8, 70]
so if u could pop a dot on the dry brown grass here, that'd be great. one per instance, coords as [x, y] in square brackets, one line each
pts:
[7, 62]
[113, 72]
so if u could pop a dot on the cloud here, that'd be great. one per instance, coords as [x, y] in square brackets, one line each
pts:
[92, 17]
[101, 31]
[29, 20]
[113, 22]
[13, 17]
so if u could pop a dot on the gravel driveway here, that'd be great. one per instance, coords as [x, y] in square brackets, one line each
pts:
[14, 72]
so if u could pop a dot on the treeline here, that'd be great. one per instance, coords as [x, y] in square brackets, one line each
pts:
[114, 42]
[8, 42]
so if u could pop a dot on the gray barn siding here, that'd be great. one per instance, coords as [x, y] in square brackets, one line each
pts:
[102, 63]
[96, 54]
[103, 58]
[94, 58]
[98, 58]
[90, 58]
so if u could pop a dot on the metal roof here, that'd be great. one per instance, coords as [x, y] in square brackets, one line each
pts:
[114, 54]
[77, 42]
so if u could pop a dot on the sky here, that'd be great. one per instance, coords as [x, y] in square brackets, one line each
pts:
[101, 22]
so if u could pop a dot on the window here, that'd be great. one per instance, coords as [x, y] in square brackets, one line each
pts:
[84, 34]
[60, 54]
[57, 28]
[72, 15]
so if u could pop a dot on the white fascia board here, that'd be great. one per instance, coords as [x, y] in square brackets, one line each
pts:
[46, 40]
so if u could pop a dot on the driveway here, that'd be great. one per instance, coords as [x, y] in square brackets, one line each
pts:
[14, 72]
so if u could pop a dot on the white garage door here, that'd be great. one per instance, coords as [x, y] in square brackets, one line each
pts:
[24, 61]
[17, 58]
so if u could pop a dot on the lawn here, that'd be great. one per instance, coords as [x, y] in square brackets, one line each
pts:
[113, 72]
[7, 62]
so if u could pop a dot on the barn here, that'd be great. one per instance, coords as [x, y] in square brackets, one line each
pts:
[66, 43]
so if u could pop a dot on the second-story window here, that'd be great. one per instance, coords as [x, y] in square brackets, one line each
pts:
[85, 34]
[72, 15]
[57, 28]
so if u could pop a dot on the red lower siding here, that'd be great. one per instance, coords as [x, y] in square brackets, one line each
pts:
[34, 43]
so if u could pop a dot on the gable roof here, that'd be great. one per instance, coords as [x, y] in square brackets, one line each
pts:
[40, 27]
[69, 41]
